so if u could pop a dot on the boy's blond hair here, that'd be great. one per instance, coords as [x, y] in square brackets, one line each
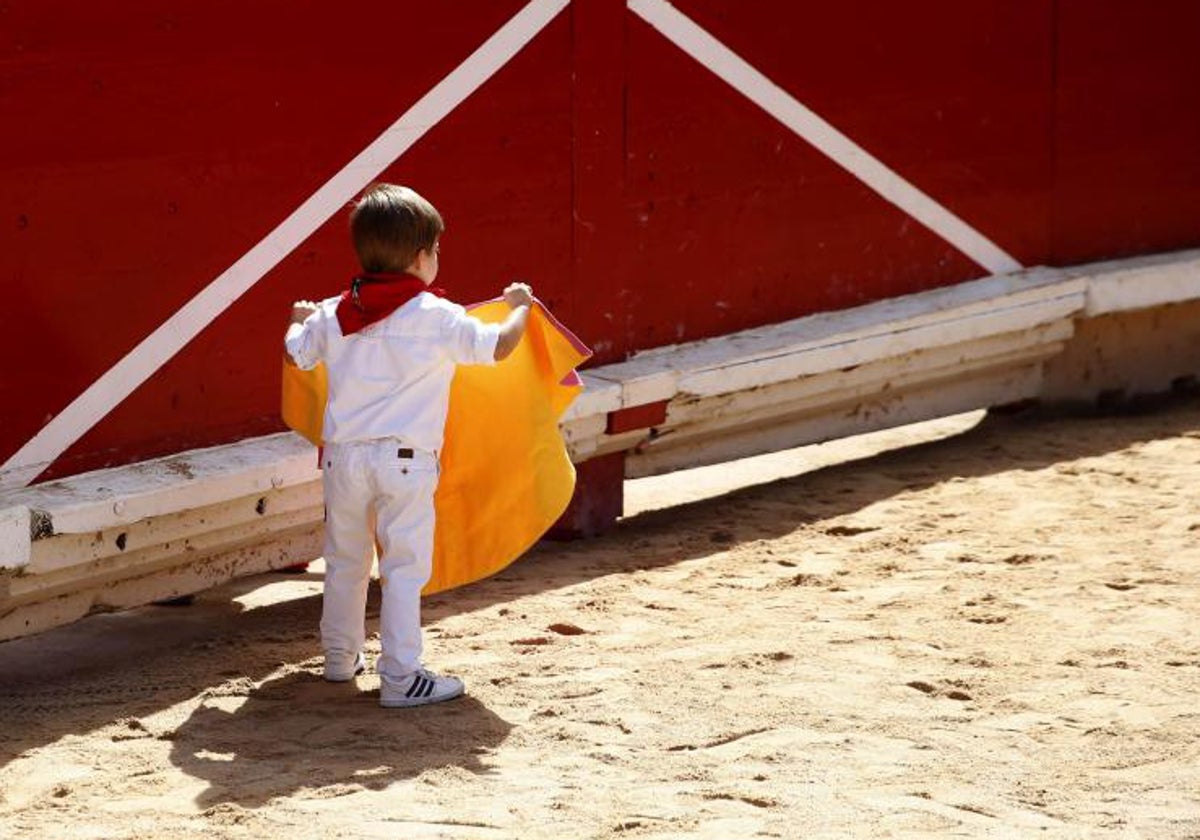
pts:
[390, 225]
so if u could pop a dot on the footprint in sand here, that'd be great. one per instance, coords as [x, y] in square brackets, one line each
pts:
[566, 629]
[756, 801]
[849, 530]
[987, 619]
[950, 689]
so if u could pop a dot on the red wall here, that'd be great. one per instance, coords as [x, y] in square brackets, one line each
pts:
[1126, 129]
[147, 150]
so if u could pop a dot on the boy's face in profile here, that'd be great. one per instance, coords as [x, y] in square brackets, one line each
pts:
[425, 266]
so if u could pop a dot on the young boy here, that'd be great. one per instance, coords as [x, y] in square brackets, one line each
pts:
[390, 347]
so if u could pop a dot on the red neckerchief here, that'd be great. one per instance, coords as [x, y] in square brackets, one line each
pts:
[373, 297]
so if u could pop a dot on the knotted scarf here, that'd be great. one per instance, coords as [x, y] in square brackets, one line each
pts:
[373, 297]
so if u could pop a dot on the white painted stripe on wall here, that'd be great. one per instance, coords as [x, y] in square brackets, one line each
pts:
[735, 71]
[147, 357]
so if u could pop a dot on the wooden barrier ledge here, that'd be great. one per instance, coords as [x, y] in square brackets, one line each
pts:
[126, 536]
[130, 535]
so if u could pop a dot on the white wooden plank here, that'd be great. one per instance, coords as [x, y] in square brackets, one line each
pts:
[694, 450]
[988, 305]
[14, 537]
[1142, 282]
[77, 600]
[599, 396]
[584, 427]
[978, 297]
[607, 444]
[583, 435]
[761, 398]
[122, 495]
[738, 412]
[893, 374]
[178, 528]
[151, 558]
[641, 382]
[743, 375]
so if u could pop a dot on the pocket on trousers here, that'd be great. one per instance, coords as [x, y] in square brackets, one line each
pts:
[412, 466]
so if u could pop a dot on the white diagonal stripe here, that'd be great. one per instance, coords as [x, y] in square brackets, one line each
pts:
[147, 357]
[735, 71]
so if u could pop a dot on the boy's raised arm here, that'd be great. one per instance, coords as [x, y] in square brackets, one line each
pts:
[519, 297]
[301, 310]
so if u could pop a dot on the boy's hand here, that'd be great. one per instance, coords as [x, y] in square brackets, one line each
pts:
[518, 294]
[301, 309]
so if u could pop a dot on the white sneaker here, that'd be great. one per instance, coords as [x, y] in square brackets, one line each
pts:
[418, 689]
[341, 666]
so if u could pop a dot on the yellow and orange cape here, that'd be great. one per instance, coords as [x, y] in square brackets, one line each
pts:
[506, 476]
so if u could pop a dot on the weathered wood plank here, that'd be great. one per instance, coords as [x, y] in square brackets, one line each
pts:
[1142, 282]
[15, 525]
[693, 449]
[187, 481]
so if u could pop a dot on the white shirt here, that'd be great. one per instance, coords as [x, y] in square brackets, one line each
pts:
[392, 379]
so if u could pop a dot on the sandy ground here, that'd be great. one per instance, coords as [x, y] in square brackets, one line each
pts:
[993, 631]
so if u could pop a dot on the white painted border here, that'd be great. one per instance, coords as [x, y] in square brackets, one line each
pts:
[103, 395]
[746, 80]
[1143, 282]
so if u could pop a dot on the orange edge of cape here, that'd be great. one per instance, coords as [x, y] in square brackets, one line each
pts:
[506, 475]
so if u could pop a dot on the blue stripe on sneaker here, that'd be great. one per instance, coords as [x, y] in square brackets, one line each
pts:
[417, 684]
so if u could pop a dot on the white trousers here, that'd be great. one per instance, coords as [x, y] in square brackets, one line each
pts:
[377, 490]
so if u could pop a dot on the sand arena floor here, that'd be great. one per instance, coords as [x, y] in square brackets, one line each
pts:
[977, 627]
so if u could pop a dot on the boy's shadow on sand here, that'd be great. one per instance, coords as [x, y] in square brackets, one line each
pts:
[300, 732]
